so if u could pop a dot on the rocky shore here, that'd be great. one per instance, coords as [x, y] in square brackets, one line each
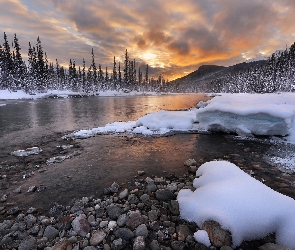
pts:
[141, 215]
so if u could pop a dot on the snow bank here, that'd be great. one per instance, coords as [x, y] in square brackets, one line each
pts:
[258, 114]
[155, 123]
[20, 94]
[239, 203]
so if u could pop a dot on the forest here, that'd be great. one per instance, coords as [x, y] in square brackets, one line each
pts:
[38, 75]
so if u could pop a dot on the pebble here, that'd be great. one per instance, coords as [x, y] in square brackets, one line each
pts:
[143, 216]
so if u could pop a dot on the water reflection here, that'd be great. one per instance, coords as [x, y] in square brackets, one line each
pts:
[24, 119]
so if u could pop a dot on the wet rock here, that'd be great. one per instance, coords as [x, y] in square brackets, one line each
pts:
[17, 190]
[141, 230]
[117, 244]
[182, 232]
[81, 225]
[122, 220]
[165, 195]
[27, 244]
[89, 248]
[123, 194]
[50, 232]
[190, 162]
[177, 245]
[140, 173]
[151, 187]
[32, 189]
[153, 215]
[124, 233]
[173, 206]
[97, 238]
[134, 219]
[155, 245]
[64, 245]
[145, 198]
[30, 220]
[218, 236]
[132, 199]
[139, 243]
[192, 169]
[114, 211]
[13, 211]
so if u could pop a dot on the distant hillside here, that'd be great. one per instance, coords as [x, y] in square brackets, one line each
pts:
[201, 79]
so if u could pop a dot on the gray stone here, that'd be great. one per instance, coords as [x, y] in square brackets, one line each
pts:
[173, 206]
[217, 235]
[97, 238]
[272, 246]
[122, 220]
[50, 232]
[17, 190]
[134, 219]
[89, 248]
[132, 199]
[193, 169]
[145, 198]
[164, 195]
[153, 215]
[155, 245]
[13, 210]
[124, 233]
[177, 245]
[141, 230]
[27, 244]
[81, 225]
[123, 194]
[139, 243]
[114, 211]
[190, 162]
[64, 245]
[30, 220]
[32, 189]
[117, 244]
[182, 232]
[73, 239]
[114, 188]
[151, 187]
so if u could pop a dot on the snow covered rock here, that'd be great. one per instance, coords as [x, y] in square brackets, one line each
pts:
[242, 205]
[257, 114]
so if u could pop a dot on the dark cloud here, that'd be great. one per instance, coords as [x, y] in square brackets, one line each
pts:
[174, 37]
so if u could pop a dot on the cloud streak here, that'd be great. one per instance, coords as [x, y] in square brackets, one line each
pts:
[174, 37]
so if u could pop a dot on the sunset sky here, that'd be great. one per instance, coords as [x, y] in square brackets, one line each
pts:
[174, 37]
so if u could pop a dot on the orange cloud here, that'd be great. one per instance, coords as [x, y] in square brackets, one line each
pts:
[174, 37]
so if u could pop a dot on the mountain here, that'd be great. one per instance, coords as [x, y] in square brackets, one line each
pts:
[206, 74]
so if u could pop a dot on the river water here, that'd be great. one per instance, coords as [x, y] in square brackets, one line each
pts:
[22, 120]
[107, 158]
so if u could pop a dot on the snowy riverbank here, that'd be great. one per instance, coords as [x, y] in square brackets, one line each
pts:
[10, 95]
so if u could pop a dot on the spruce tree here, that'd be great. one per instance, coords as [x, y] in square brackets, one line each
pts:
[114, 71]
[126, 68]
[19, 64]
[147, 74]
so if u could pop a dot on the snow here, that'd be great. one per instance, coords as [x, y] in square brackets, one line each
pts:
[27, 152]
[239, 203]
[257, 114]
[201, 236]
[20, 94]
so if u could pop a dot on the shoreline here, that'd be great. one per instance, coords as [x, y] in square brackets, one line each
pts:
[142, 215]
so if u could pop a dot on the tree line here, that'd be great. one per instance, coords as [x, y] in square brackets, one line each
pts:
[277, 74]
[40, 75]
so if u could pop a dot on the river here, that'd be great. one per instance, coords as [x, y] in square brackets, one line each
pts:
[103, 159]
